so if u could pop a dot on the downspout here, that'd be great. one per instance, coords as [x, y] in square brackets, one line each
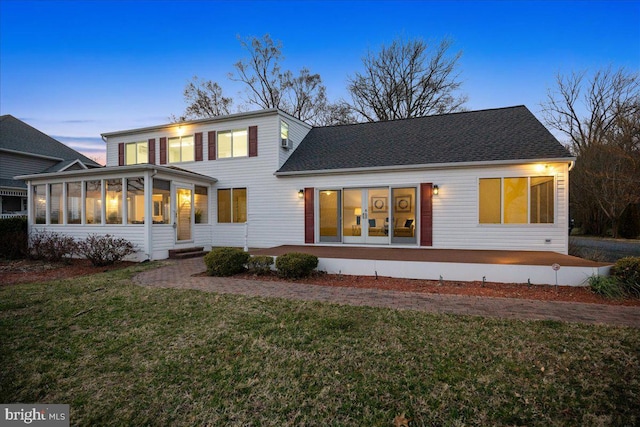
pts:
[572, 163]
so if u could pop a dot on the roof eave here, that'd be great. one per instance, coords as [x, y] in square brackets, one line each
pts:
[116, 170]
[401, 168]
[236, 116]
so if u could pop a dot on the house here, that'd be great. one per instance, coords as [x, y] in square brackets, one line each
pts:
[26, 150]
[489, 179]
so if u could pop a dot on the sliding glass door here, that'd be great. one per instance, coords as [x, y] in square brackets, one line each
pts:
[366, 215]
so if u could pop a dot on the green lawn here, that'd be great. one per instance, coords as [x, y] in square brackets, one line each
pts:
[120, 354]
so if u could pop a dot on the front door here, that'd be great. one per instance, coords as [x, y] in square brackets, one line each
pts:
[366, 215]
[184, 210]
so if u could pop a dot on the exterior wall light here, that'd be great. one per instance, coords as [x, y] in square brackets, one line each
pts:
[436, 190]
[300, 194]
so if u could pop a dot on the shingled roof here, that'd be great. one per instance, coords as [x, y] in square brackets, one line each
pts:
[504, 134]
[16, 135]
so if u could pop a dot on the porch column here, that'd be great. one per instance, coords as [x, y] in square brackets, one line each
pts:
[148, 212]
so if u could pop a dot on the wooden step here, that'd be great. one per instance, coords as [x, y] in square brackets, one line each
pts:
[178, 253]
[194, 254]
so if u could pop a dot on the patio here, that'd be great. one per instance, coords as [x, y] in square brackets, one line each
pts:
[450, 264]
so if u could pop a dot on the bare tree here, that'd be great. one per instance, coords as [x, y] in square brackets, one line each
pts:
[407, 79]
[204, 99]
[601, 118]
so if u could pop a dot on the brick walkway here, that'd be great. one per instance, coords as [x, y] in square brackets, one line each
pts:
[178, 274]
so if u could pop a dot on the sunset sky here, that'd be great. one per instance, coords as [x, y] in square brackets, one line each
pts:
[76, 69]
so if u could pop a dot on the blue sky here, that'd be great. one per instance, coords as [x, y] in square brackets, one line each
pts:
[76, 69]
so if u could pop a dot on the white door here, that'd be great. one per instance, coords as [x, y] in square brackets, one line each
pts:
[184, 213]
[366, 215]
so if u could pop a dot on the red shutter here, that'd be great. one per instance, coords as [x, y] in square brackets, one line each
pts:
[152, 151]
[426, 214]
[198, 138]
[308, 216]
[211, 142]
[163, 150]
[121, 154]
[253, 141]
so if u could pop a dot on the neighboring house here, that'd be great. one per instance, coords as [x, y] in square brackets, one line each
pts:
[26, 150]
[490, 179]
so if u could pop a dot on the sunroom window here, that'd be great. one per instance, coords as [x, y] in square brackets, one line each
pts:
[74, 202]
[114, 201]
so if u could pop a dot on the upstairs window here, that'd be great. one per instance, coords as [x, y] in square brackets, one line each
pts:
[181, 149]
[136, 153]
[516, 200]
[233, 143]
[284, 135]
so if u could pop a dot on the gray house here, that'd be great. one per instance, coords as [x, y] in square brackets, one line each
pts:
[24, 149]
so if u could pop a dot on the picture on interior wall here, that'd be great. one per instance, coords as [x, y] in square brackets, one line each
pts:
[402, 203]
[378, 204]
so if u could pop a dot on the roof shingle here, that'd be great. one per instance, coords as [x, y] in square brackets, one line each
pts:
[511, 133]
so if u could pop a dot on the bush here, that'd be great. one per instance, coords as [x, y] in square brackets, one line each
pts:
[627, 271]
[294, 265]
[15, 238]
[105, 250]
[52, 246]
[260, 264]
[225, 261]
[608, 287]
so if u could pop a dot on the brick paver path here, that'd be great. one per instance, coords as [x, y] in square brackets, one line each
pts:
[179, 274]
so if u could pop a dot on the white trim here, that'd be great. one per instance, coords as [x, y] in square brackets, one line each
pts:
[431, 166]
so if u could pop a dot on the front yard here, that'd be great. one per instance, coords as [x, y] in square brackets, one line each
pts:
[121, 354]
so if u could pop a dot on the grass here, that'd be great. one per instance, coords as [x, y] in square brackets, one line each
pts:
[120, 354]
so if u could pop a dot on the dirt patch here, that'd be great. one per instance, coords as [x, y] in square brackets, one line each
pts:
[30, 271]
[488, 289]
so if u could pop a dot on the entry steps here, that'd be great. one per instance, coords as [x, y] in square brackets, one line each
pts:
[184, 253]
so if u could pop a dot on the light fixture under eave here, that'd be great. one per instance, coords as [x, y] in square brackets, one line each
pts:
[436, 190]
[300, 194]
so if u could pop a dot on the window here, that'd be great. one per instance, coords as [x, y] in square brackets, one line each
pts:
[161, 201]
[93, 202]
[136, 152]
[74, 202]
[232, 205]
[114, 201]
[55, 204]
[201, 203]
[135, 200]
[516, 200]
[233, 143]
[40, 203]
[284, 134]
[403, 215]
[181, 149]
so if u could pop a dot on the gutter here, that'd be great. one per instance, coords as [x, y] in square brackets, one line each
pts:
[428, 166]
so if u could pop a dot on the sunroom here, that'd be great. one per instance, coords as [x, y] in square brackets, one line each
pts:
[157, 208]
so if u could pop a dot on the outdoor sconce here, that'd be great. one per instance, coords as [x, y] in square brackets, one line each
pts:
[436, 190]
[300, 194]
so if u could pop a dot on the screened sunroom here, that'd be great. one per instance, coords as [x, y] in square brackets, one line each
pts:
[157, 208]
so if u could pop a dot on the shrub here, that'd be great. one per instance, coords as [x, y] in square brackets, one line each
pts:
[105, 250]
[608, 287]
[260, 264]
[294, 265]
[225, 261]
[52, 246]
[15, 238]
[627, 271]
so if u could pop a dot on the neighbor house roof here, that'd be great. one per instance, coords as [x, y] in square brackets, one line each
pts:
[485, 136]
[17, 136]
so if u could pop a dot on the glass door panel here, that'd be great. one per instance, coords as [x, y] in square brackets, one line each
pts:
[330, 216]
[352, 216]
[184, 214]
[377, 219]
[403, 218]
